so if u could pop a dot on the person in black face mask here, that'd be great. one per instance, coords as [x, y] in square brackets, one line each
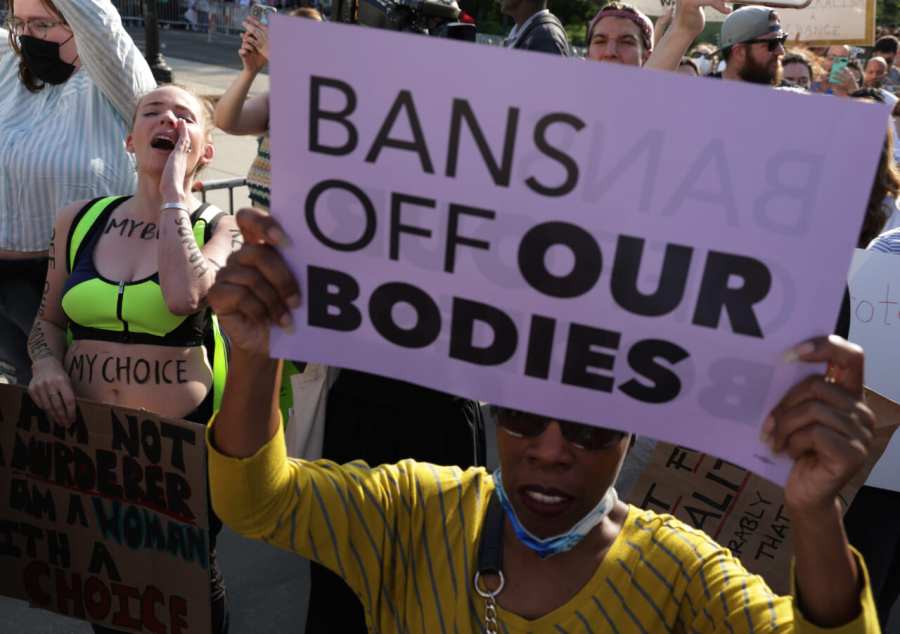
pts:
[70, 78]
[43, 60]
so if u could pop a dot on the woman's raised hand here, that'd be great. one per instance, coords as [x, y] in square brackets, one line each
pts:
[174, 176]
[824, 424]
[254, 51]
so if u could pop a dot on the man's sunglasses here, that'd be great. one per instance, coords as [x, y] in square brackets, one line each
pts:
[524, 425]
[773, 43]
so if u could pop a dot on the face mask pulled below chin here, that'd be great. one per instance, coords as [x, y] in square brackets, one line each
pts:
[42, 59]
[549, 546]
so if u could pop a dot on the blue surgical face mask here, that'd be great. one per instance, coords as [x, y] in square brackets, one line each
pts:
[549, 546]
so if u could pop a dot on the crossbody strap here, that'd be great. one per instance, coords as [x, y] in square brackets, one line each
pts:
[490, 562]
[490, 550]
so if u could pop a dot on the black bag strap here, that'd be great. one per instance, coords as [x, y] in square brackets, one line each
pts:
[490, 550]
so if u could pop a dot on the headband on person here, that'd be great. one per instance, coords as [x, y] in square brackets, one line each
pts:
[641, 20]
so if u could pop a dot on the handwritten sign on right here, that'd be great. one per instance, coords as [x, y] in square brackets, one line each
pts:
[827, 22]
[875, 325]
[740, 510]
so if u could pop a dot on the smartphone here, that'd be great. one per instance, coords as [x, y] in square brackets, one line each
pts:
[838, 64]
[261, 12]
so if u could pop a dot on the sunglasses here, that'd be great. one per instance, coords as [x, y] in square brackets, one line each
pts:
[773, 43]
[524, 425]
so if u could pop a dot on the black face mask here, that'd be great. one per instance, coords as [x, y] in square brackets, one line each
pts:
[42, 59]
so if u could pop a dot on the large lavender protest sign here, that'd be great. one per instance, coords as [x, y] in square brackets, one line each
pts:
[604, 244]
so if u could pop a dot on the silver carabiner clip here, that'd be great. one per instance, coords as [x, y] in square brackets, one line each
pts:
[491, 624]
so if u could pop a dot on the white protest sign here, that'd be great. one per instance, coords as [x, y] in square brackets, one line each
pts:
[831, 22]
[588, 241]
[875, 325]
[656, 8]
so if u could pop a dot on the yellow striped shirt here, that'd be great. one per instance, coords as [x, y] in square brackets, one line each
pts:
[405, 538]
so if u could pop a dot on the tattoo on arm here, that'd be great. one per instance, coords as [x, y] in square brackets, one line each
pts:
[186, 236]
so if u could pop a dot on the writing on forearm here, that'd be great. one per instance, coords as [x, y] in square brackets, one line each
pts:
[51, 251]
[38, 348]
[128, 228]
[237, 240]
[186, 236]
[126, 369]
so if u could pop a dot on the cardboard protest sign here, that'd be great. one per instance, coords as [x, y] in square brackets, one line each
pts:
[874, 281]
[826, 22]
[105, 520]
[743, 512]
[543, 234]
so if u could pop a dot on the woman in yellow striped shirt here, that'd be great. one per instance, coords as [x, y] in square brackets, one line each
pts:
[410, 537]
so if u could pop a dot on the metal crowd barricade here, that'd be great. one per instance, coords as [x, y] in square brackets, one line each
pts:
[131, 11]
[227, 17]
[169, 12]
[226, 183]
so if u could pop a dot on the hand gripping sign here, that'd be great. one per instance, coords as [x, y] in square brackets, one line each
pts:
[616, 246]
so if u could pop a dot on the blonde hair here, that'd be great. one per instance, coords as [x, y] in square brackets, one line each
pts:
[207, 108]
[306, 12]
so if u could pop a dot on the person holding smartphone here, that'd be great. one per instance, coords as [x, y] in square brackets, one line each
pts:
[838, 79]
[235, 114]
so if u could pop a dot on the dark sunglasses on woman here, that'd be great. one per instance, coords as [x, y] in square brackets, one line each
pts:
[587, 437]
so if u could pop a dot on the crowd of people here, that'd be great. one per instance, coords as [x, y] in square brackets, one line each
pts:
[118, 285]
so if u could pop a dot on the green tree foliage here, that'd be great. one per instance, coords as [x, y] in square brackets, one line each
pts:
[574, 14]
[888, 13]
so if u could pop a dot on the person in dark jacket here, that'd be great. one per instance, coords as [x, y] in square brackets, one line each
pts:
[536, 28]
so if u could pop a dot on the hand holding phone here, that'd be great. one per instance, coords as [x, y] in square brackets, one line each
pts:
[261, 12]
[254, 51]
[838, 65]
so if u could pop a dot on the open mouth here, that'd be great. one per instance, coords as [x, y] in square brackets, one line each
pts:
[162, 143]
[543, 501]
